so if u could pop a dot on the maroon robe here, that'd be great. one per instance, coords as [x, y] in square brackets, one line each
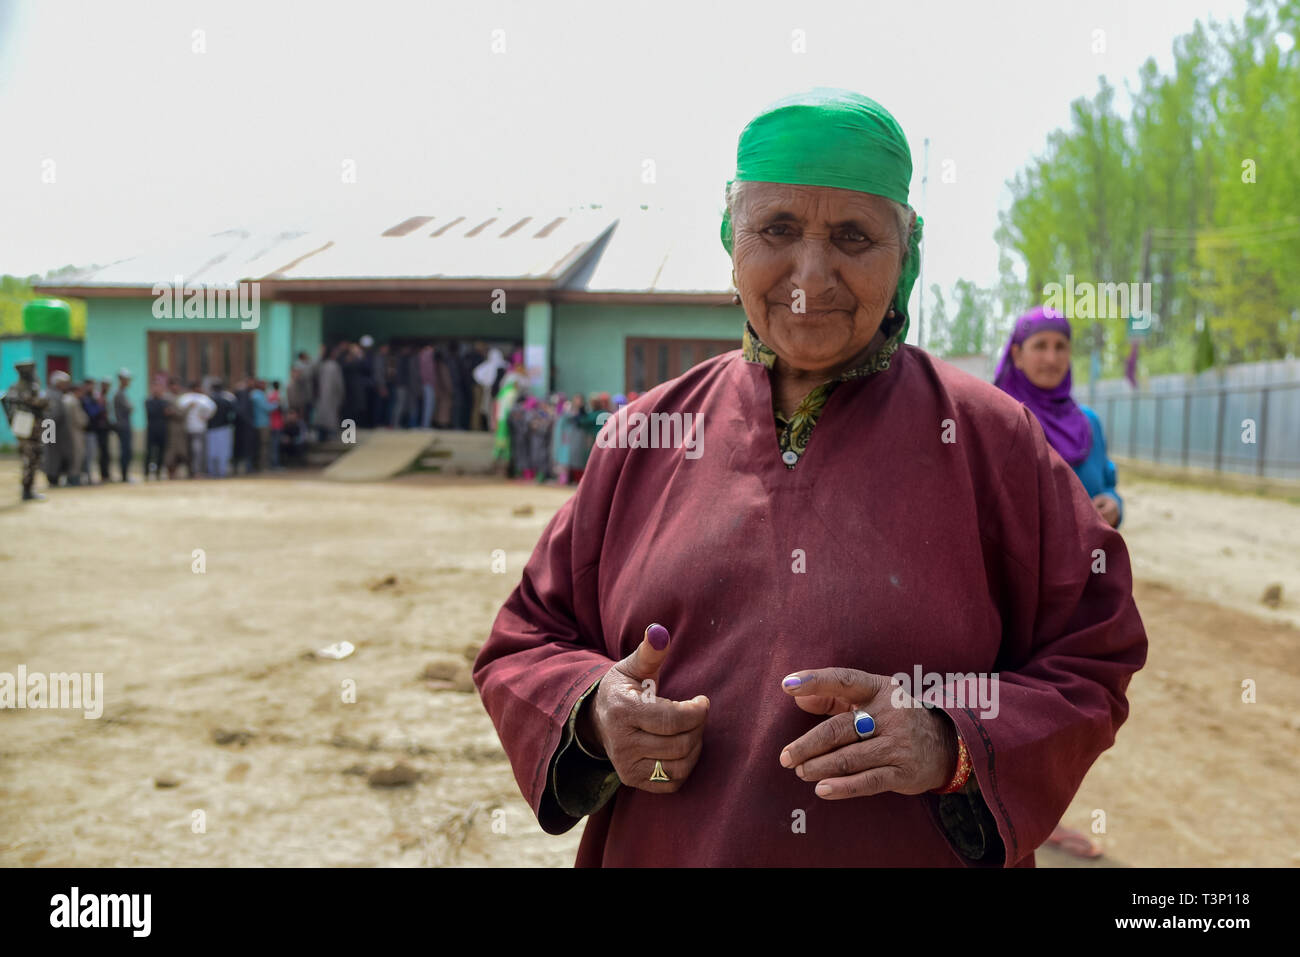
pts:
[971, 555]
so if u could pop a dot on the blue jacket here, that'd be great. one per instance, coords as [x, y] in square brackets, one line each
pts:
[261, 409]
[1097, 472]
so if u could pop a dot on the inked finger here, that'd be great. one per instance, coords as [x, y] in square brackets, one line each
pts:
[846, 683]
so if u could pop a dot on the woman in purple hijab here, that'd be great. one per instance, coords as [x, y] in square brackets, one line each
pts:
[1035, 368]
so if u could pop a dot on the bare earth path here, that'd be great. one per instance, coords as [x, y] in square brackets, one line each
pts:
[223, 742]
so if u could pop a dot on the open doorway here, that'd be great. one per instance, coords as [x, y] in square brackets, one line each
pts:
[423, 381]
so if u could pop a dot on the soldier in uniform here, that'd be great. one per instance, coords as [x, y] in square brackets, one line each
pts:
[24, 405]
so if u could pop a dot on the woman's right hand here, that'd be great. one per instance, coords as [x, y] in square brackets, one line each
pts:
[634, 727]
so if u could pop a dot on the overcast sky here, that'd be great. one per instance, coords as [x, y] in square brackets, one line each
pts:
[150, 130]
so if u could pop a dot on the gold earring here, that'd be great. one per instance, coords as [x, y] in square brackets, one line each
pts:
[735, 299]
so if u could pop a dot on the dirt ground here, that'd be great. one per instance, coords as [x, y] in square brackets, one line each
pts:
[224, 741]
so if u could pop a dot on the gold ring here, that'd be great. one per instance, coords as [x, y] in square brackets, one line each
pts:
[659, 774]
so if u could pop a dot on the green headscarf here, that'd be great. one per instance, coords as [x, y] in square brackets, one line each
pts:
[831, 137]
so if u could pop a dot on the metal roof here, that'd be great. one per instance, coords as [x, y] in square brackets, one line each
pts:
[663, 251]
[601, 251]
[220, 258]
[459, 245]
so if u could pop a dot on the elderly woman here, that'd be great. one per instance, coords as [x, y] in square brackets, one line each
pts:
[893, 646]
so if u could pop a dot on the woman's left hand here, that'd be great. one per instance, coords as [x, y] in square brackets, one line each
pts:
[913, 750]
[1108, 508]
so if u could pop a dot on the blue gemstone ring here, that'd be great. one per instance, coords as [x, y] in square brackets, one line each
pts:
[863, 724]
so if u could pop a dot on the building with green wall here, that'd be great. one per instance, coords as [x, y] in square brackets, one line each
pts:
[597, 302]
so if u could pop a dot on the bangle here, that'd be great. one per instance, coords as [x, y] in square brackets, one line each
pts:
[577, 738]
[960, 775]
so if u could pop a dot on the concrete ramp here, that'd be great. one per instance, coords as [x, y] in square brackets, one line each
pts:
[379, 454]
[460, 453]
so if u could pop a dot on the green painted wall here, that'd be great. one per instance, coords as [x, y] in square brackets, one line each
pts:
[538, 324]
[590, 338]
[116, 336]
[274, 341]
[307, 329]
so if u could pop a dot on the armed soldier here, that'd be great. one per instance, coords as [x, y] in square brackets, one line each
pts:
[24, 405]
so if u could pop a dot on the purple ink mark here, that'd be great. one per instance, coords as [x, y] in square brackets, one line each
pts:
[658, 636]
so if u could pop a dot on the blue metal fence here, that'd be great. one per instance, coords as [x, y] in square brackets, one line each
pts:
[1229, 428]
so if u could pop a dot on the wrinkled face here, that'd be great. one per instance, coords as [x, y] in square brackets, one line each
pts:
[1044, 358]
[816, 268]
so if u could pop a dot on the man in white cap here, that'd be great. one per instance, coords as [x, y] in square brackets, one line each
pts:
[61, 454]
[122, 409]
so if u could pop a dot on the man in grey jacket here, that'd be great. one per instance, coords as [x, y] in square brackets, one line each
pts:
[61, 455]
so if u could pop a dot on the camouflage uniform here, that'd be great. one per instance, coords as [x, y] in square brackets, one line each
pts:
[25, 395]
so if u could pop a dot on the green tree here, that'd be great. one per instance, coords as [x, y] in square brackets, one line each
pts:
[1196, 192]
[970, 329]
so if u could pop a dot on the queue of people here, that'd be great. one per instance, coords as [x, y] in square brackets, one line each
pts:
[204, 428]
[456, 385]
[550, 440]
[398, 386]
[87, 419]
[218, 433]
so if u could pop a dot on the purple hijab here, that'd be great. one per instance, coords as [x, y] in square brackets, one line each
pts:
[1063, 422]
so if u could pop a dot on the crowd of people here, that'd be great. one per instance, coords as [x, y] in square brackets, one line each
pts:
[204, 428]
[84, 417]
[550, 440]
[444, 386]
[459, 385]
[200, 429]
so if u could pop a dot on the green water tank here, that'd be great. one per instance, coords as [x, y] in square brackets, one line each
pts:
[48, 317]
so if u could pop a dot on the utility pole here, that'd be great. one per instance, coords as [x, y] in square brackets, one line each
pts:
[1147, 306]
[925, 179]
[1094, 364]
